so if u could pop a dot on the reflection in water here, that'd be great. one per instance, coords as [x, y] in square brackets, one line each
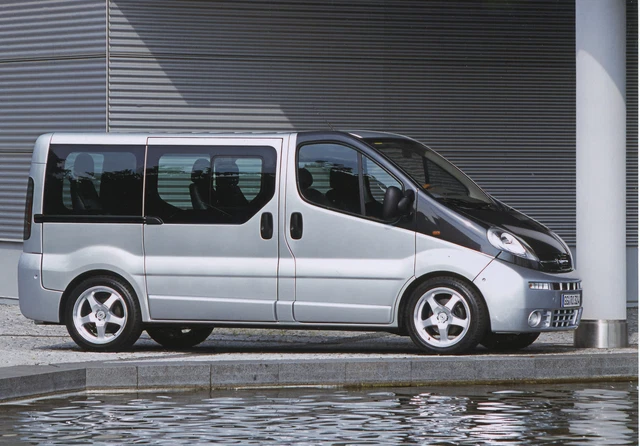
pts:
[603, 413]
[597, 410]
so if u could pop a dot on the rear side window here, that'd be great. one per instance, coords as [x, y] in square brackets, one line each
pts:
[94, 180]
[209, 184]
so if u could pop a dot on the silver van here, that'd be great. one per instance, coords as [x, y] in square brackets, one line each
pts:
[177, 234]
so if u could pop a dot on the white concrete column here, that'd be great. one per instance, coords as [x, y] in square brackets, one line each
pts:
[601, 160]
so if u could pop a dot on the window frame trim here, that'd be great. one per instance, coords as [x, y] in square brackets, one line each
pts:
[70, 217]
[207, 148]
[360, 153]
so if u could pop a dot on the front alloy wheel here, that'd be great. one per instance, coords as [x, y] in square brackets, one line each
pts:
[445, 315]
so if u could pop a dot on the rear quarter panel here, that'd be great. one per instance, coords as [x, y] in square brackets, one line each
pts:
[71, 249]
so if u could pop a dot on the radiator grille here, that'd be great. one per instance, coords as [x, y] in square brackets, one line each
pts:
[567, 286]
[564, 318]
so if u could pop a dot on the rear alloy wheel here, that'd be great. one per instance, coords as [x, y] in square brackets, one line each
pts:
[509, 341]
[179, 337]
[103, 314]
[445, 315]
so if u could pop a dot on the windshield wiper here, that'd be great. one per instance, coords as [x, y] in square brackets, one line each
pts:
[466, 204]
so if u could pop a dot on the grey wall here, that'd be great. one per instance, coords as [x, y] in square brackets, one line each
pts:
[491, 85]
[52, 77]
[632, 126]
[52, 69]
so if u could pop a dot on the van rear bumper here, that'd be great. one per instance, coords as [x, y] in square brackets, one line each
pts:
[511, 299]
[36, 302]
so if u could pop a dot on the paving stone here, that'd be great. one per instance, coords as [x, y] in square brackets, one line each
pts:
[563, 367]
[112, 377]
[378, 372]
[507, 368]
[312, 372]
[36, 384]
[244, 374]
[174, 375]
[614, 364]
[442, 370]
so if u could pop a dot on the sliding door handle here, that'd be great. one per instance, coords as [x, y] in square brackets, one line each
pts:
[266, 226]
[296, 226]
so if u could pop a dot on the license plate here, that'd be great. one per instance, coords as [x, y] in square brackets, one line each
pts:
[571, 300]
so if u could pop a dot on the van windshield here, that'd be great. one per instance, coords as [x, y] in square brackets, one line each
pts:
[437, 176]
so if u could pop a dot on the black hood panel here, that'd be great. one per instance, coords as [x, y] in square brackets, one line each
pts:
[543, 242]
[468, 228]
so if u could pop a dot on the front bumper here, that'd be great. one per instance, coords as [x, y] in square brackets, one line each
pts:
[511, 301]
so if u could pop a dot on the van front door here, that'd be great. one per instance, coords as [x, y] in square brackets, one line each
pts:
[350, 264]
[211, 206]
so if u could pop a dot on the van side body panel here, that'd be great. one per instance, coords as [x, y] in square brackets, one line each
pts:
[286, 261]
[36, 172]
[36, 302]
[41, 149]
[72, 249]
[34, 243]
[348, 269]
[433, 254]
[213, 269]
[214, 276]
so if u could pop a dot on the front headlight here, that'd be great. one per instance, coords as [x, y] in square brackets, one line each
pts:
[506, 241]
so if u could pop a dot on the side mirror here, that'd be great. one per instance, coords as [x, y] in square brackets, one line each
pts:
[396, 203]
[406, 202]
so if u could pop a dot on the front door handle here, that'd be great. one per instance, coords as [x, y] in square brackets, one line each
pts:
[296, 226]
[266, 226]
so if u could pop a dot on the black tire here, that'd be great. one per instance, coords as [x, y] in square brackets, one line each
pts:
[103, 315]
[509, 341]
[179, 337]
[464, 324]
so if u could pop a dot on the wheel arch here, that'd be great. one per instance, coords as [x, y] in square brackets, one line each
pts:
[402, 325]
[85, 275]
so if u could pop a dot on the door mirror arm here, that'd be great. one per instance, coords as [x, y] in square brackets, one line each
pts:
[396, 204]
[406, 202]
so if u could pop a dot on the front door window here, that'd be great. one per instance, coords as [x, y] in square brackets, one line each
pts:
[339, 177]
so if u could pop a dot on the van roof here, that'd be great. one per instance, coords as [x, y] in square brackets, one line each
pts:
[129, 138]
[116, 138]
[141, 138]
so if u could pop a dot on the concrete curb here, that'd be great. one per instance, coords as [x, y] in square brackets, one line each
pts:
[22, 382]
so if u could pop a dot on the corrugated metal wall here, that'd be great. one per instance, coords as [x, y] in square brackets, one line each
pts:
[14, 169]
[52, 77]
[632, 122]
[491, 85]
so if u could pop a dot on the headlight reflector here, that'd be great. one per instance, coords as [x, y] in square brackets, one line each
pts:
[506, 241]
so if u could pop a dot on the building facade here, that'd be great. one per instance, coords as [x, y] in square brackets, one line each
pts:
[489, 84]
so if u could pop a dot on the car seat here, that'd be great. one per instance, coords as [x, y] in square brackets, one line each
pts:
[84, 197]
[200, 186]
[305, 180]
